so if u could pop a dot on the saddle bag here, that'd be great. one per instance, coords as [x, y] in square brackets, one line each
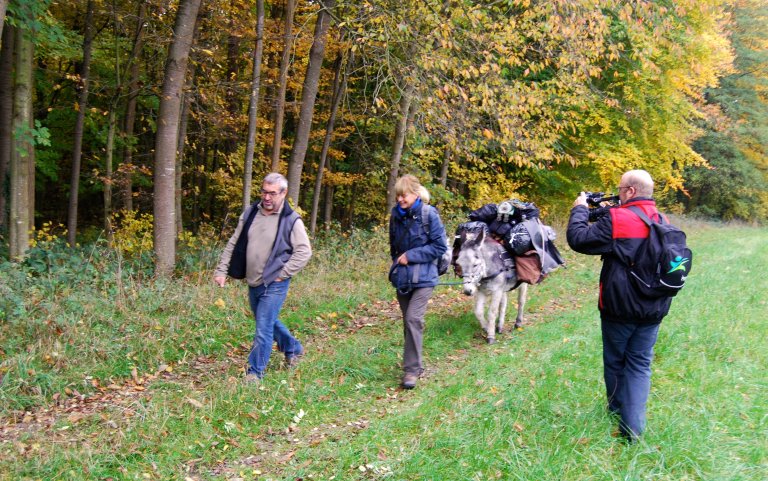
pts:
[528, 267]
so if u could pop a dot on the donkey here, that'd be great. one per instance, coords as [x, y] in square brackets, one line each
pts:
[480, 264]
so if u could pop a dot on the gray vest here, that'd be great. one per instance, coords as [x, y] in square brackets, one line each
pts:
[281, 249]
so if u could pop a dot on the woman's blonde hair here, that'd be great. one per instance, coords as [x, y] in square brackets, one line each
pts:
[409, 184]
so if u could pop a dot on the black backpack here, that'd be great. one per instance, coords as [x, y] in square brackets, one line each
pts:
[444, 262]
[662, 263]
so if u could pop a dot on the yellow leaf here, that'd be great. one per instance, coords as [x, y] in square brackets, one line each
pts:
[220, 303]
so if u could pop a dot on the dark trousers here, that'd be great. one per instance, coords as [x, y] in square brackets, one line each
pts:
[627, 356]
[413, 306]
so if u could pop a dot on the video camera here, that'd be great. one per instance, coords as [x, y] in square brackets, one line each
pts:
[599, 203]
[595, 199]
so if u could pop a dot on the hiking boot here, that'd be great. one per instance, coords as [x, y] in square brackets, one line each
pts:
[294, 360]
[409, 381]
[252, 379]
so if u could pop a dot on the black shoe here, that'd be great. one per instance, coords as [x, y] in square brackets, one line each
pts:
[409, 381]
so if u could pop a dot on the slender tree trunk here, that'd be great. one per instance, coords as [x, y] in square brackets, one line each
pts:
[22, 149]
[108, 175]
[126, 183]
[308, 97]
[77, 152]
[109, 163]
[277, 139]
[3, 6]
[232, 99]
[197, 186]
[6, 120]
[397, 148]
[328, 201]
[339, 85]
[167, 138]
[447, 156]
[180, 160]
[253, 105]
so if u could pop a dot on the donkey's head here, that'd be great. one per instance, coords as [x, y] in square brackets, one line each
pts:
[472, 261]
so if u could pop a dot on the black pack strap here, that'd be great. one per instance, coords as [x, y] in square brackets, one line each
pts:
[425, 218]
[639, 212]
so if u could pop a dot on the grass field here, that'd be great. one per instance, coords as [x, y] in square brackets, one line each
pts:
[142, 380]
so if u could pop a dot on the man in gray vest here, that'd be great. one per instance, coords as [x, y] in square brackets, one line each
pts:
[270, 245]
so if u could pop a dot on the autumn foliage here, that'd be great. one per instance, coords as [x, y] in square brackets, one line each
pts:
[528, 99]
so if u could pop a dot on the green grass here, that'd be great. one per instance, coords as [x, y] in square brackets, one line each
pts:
[530, 407]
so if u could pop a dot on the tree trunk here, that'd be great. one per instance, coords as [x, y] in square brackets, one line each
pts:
[447, 155]
[6, 119]
[339, 86]
[197, 183]
[308, 97]
[22, 149]
[397, 148]
[108, 174]
[253, 105]
[328, 201]
[3, 6]
[277, 138]
[77, 151]
[126, 183]
[167, 138]
[180, 160]
[231, 97]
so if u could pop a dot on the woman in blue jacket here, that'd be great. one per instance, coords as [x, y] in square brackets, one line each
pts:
[416, 243]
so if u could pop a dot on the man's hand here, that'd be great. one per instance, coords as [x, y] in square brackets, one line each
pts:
[403, 259]
[581, 200]
[220, 280]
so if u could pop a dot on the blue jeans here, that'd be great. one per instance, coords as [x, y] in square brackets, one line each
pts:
[266, 302]
[627, 356]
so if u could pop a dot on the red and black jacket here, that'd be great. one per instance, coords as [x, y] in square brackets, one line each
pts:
[616, 237]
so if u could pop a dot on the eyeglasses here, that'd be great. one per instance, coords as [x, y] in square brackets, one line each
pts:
[624, 187]
[267, 193]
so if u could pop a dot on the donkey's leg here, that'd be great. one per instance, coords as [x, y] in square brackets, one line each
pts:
[502, 312]
[522, 293]
[493, 313]
[480, 308]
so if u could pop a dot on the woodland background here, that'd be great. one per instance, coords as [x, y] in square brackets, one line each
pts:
[143, 123]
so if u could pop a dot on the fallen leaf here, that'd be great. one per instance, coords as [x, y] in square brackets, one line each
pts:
[195, 403]
[287, 457]
[75, 417]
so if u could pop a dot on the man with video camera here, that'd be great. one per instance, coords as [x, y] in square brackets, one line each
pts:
[629, 321]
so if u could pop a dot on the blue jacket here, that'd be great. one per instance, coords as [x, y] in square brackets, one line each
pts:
[616, 236]
[408, 235]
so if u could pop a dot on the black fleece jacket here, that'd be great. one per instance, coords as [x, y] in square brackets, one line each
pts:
[616, 236]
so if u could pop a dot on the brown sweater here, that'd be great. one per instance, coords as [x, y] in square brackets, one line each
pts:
[261, 237]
